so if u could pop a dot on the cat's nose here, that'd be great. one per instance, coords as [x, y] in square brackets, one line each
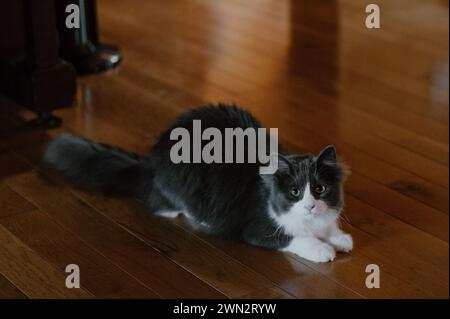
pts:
[310, 206]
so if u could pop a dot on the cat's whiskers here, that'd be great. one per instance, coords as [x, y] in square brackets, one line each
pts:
[277, 230]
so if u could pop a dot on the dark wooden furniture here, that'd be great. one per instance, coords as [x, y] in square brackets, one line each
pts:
[31, 70]
[40, 56]
[82, 46]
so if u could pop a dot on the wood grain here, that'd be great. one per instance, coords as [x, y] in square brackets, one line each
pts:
[8, 290]
[12, 203]
[122, 248]
[244, 280]
[60, 247]
[30, 273]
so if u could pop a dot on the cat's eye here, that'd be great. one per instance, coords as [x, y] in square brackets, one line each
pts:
[295, 192]
[319, 189]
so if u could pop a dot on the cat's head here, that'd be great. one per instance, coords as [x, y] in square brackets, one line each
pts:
[306, 190]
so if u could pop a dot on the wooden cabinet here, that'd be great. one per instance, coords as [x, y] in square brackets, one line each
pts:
[31, 69]
[40, 56]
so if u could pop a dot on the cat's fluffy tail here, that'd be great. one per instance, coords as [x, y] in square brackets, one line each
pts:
[97, 167]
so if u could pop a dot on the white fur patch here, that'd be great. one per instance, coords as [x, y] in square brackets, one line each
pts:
[315, 229]
[175, 214]
[312, 249]
[307, 217]
[169, 214]
[342, 242]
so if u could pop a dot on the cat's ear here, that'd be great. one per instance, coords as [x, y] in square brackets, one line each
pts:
[327, 155]
[284, 164]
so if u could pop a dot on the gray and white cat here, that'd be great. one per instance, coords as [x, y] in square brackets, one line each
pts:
[296, 209]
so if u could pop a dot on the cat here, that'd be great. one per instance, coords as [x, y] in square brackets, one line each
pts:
[295, 210]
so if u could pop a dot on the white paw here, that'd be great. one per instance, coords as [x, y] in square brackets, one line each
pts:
[322, 253]
[342, 242]
[168, 214]
[312, 249]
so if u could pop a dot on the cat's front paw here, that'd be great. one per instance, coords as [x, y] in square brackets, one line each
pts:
[312, 249]
[342, 242]
[322, 253]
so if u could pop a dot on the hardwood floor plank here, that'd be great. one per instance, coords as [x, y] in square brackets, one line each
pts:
[8, 290]
[196, 256]
[392, 259]
[354, 10]
[144, 263]
[372, 114]
[429, 128]
[30, 273]
[134, 217]
[248, 60]
[8, 164]
[304, 282]
[16, 134]
[395, 233]
[248, 16]
[12, 203]
[60, 247]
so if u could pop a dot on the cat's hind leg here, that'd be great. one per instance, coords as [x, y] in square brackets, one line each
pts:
[168, 214]
[158, 204]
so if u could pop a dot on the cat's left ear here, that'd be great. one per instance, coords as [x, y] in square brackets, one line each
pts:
[327, 155]
[283, 166]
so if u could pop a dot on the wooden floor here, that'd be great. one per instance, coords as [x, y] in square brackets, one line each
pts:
[310, 68]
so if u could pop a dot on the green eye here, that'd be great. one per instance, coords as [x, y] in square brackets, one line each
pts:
[319, 189]
[295, 192]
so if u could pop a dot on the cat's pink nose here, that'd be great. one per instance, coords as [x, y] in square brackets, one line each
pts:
[310, 206]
